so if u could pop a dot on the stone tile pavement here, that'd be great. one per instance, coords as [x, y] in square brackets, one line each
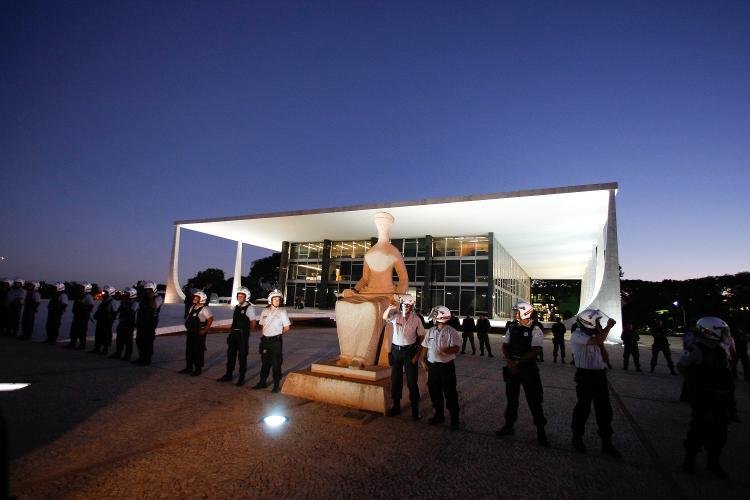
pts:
[90, 427]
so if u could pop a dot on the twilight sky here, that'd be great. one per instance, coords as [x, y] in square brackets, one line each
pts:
[118, 118]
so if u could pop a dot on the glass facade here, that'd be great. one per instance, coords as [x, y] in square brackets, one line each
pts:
[459, 268]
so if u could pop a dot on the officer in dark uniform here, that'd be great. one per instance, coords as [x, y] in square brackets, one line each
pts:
[197, 324]
[105, 316]
[16, 298]
[238, 341]
[483, 329]
[558, 340]
[126, 326]
[660, 345]
[706, 367]
[5, 285]
[146, 321]
[55, 309]
[630, 340]
[521, 346]
[82, 307]
[467, 333]
[30, 307]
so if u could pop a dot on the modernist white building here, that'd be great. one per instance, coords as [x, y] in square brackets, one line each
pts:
[472, 253]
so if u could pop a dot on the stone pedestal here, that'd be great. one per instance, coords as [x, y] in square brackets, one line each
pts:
[328, 386]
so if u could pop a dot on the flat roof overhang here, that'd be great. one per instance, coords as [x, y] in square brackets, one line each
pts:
[549, 232]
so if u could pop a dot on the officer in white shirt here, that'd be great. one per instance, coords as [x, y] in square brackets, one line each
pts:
[197, 324]
[55, 309]
[522, 343]
[275, 322]
[408, 333]
[441, 344]
[82, 307]
[243, 320]
[31, 304]
[15, 299]
[587, 343]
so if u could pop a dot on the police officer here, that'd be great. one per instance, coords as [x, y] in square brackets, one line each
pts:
[5, 285]
[706, 367]
[521, 346]
[558, 340]
[660, 345]
[406, 342]
[441, 344]
[30, 307]
[238, 341]
[197, 324]
[630, 340]
[82, 306]
[483, 334]
[125, 327]
[105, 316]
[16, 299]
[56, 307]
[275, 322]
[591, 379]
[467, 332]
[146, 321]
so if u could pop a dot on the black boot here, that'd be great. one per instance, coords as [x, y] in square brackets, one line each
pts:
[227, 377]
[395, 409]
[507, 430]
[260, 385]
[541, 436]
[454, 420]
[276, 388]
[184, 370]
[415, 411]
[241, 380]
[578, 444]
[438, 418]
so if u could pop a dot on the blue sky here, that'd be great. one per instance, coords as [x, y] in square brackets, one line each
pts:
[118, 118]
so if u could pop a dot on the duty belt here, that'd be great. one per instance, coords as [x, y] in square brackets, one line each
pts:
[397, 347]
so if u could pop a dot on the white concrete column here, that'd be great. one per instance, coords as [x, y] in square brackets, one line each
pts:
[174, 293]
[237, 281]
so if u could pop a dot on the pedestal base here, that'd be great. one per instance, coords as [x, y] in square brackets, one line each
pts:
[371, 395]
[371, 373]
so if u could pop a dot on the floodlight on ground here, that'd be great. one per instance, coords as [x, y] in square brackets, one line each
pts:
[274, 420]
[12, 386]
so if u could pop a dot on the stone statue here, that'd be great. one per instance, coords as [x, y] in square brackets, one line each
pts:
[359, 313]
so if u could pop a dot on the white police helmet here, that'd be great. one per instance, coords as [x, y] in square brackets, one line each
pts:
[202, 297]
[712, 328]
[588, 318]
[441, 314]
[150, 285]
[19, 280]
[245, 292]
[275, 293]
[8, 281]
[86, 286]
[525, 310]
[109, 290]
[60, 286]
[131, 292]
[34, 285]
[407, 299]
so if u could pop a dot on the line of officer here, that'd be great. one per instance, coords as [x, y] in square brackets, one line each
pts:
[591, 379]
[30, 307]
[408, 333]
[56, 307]
[126, 326]
[15, 300]
[146, 321]
[197, 324]
[521, 347]
[708, 378]
[275, 323]
[105, 316]
[82, 306]
[441, 344]
[238, 340]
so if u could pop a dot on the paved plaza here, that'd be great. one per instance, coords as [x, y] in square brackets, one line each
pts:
[90, 427]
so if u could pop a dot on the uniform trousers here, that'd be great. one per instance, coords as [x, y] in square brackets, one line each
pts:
[591, 386]
[195, 348]
[558, 345]
[78, 330]
[661, 347]
[400, 360]
[708, 423]
[271, 357]
[27, 324]
[103, 333]
[238, 347]
[468, 336]
[144, 339]
[441, 383]
[484, 342]
[14, 320]
[125, 339]
[529, 378]
[628, 351]
[53, 327]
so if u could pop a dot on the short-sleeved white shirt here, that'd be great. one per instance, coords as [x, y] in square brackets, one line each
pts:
[441, 338]
[273, 320]
[34, 297]
[588, 357]
[537, 337]
[405, 331]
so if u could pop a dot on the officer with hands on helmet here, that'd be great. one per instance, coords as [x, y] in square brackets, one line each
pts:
[146, 321]
[709, 380]
[275, 322]
[197, 324]
[238, 340]
[521, 346]
[408, 333]
[105, 316]
[82, 307]
[15, 300]
[441, 344]
[587, 343]
[55, 309]
[31, 304]
[126, 325]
